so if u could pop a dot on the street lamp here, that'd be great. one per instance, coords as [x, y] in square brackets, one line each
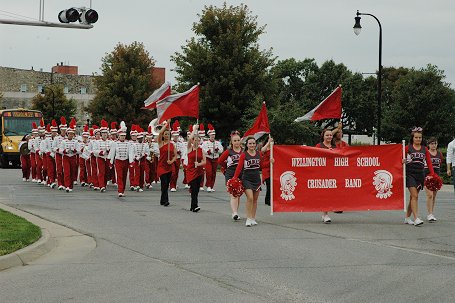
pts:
[357, 29]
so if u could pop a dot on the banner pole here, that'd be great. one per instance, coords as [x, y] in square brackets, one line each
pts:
[197, 122]
[271, 178]
[404, 176]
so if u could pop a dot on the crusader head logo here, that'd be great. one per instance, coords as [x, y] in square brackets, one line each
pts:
[382, 182]
[288, 183]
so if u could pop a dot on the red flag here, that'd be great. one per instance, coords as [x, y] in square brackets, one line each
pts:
[158, 94]
[330, 108]
[179, 105]
[261, 125]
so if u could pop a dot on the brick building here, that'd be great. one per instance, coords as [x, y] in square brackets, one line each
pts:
[19, 86]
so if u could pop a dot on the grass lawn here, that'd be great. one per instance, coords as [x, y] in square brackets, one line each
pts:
[16, 233]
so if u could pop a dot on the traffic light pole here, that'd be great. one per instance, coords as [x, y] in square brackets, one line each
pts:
[46, 24]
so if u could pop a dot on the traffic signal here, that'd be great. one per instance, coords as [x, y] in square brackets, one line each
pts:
[84, 15]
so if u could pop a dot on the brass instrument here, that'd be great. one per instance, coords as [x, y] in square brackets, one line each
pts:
[24, 149]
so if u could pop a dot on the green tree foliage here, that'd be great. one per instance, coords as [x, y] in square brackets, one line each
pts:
[54, 104]
[124, 85]
[225, 59]
[418, 98]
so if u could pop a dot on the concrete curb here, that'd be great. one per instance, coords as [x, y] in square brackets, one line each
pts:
[67, 241]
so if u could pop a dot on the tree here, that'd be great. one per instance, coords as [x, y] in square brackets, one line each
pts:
[418, 98]
[124, 85]
[54, 104]
[225, 59]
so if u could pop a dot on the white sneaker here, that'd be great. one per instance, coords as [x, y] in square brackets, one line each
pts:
[253, 222]
[201, 188]
[23, 179]
[248, 223]
[61, 187]
[326, 219]
[418, 222]
[43, 182]
[75, 183]
[121, 195]
[33, 180]
[53, 185]
[173, 189]
[431, 218]
[187, 186]
[408, 221]
[153, 182]
[103, 189]
[140, 190]
[209, 189]
[108, 182]
[235, 217]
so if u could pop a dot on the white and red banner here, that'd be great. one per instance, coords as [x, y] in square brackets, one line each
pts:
[261, 125]
[158, 94]
[329, 108]
[185, 104]
[357, 178]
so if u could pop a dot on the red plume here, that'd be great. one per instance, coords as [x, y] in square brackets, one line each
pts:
[150, 129]
[91, 132]
[177, 124]
[114, 125]
[73, 123]
[104, 123]
[34, 125]
[201, 127]
[62, 120]
[95, 127]
[190, 129]
[41, 122]
[48, 128]
[210, 126]
[54, 123]
[86, 128]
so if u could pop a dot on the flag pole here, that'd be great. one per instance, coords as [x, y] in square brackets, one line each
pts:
[271, 178]
[404, 177]
[197, 122]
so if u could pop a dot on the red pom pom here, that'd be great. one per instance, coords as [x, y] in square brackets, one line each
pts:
[433, 182]
[235, 187]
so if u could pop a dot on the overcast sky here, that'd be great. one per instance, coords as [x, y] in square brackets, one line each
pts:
[415, 32]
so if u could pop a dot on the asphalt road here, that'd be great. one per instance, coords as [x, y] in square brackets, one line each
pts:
[148, 253]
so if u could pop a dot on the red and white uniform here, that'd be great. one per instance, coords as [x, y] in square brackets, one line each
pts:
[49, 158]
[94, 166]
[31, 147]
[213, 150]
[38, 158]
[85, 170]
[69, 150]
[181, 150]
[120, 153]
[101, 151]
[139, 153]
[58, 158]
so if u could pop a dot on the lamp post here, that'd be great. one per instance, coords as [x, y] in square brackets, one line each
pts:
[357, 28]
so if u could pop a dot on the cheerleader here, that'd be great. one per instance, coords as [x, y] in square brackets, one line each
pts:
[416, 154]
[250, 166]
[196, 161]
[228, 161]
[327, 143]
[168, 154]
[436, 160]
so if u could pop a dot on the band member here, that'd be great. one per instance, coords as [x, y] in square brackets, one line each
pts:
[194, 171]
[101, 151]
[45, 150]
[327, 143]
[228, 162]
[133, 135]
[139, 152]
[266, 169]
[213, 149]
[48, 157]
[58, 155]
[436, 159]
[179, 146]
[416, 155]
[31, 147]
[69, 148]
[119, 156]
[25, 158]
[168, 154]
[39, 154]
[93, 145]
[112, 137]
[185, 158]
[52, 168]
[249, 167]
[150, 163]
[201, 133]
[84, 158]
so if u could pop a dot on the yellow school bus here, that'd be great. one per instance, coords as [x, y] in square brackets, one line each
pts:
[14, 125]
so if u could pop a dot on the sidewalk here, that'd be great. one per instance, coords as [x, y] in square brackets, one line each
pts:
[57, 238]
